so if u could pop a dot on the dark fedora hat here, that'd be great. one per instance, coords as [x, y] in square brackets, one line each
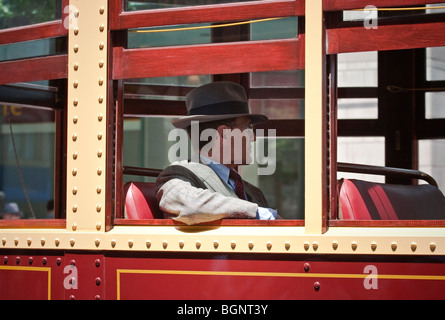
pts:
[217, 101]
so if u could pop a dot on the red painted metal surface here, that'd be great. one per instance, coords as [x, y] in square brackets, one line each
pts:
[30, 274]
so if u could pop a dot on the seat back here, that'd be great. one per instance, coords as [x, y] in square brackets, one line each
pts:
[363, 200]
[141, 202]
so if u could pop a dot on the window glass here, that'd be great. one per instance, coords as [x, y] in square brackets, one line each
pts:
[358, 69]
[130, 5]
[435, 63]
[15, 13]
[434, 105]
[278, 108]
[282, 177]
[30, 49]
[176, 35]
[357, 109]
[432, 160]
[27, 146]
[361, 150]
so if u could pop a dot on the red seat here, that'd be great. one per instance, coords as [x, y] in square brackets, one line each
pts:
[363, 200]
[141, 202]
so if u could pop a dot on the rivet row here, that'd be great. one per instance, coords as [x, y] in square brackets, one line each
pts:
[216, 244]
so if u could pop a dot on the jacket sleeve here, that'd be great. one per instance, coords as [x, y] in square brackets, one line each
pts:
[184, 197]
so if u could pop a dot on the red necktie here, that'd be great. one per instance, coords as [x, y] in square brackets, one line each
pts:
[239, 188]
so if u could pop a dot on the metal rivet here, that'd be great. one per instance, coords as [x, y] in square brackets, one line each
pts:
[432, 246]
[5, 259]
[130, 244]
[72, 242]
[198, 244]
[181, 244]
[98, 281]
[97, 242]
[101, 27]
[57, 243]
[3, 241]
[44, 261]
[233, 245]
[354, 245]
[98, 189]
[100, 99]
[101, 10]
[315, 245]
[99, 153]
[30, 260]
[76, 48]
[42, 242]
[306, 245]
[317, 286]
[76, 14]
[74, 171]
[394, 246]
[16, 241]
[58, 261]
[98, 208]
[76, 66]
[287, 245]
[164, 244]
[100, 117]
[413, 246]
[148, 244]
[74, 137]
[101, 63]
[335, 245]
[99, 136]
[113, 243]
[74, 226]
[75, 102]
[74, 190]
[373, 246]
[76, 31]
[101, 81]
[98, 226]
[29, 241]
[269, 245]
[74, 208]
[75, 83]
[97, 263]
[75, 155]
[101, 45]
[99, 171]
[306, 267]
[75, 119]
[216, 244]
[17, 260]
[250, 244]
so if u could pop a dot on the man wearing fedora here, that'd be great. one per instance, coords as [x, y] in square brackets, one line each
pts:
[209, 188]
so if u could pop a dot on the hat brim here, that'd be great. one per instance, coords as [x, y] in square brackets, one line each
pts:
[184, 122]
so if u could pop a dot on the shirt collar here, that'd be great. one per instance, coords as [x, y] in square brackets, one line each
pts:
[221, 170]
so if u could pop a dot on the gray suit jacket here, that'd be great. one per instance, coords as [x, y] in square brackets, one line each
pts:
[193, 193]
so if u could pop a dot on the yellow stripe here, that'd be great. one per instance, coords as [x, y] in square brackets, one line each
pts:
[276, 274]
[205, 27]
[44, 269]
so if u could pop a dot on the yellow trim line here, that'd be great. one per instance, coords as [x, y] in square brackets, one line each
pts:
[46, 269]
[275, 274]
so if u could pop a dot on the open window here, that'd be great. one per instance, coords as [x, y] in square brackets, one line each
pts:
[258, 47]
[390, 124]
[33, 49]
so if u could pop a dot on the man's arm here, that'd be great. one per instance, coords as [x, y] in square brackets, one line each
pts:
[185, 197]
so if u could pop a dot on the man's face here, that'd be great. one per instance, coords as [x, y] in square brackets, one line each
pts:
[236, 142]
